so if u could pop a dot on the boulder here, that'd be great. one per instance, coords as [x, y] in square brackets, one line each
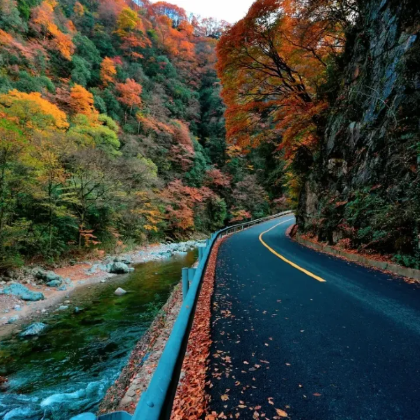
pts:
[118, 268]
[13, 319]
[33, 329]
[126, 259]
[22, 292]
[120, 292]
[46, 276]
[39, 273]
[51, 276]
[54, 283]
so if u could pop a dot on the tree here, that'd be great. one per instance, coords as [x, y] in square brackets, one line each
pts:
[108, 71]
[176, 14]
[81, 101]
[32, 111]
[12, 146]
[250, 197]
[271, 64]
[130, 92]
[43, 21]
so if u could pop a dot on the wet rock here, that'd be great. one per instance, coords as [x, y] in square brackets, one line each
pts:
[119, 268]
[63, 308]
[34, 329]
[22, 292]
[120, 292]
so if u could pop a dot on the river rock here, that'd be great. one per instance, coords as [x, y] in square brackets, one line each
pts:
[120, 292]
[125, 259]
[22, 292]
[54, 283]
[34, 329]
[47, 276]
[119, 268]
[13, 319]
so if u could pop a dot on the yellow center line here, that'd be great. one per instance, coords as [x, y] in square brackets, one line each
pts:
[285, 259]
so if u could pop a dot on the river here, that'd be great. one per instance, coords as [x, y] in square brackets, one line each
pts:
[68, 369]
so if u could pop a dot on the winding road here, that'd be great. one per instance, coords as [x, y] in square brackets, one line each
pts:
[310, 335]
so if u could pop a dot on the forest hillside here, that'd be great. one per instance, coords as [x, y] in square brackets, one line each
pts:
[112, 130]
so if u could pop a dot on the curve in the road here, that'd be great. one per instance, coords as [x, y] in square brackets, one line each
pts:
[298, 267]
[348, 348]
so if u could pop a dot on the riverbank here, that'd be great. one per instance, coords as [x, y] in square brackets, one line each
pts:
[68, 368]
[14, 311]
[134, 379]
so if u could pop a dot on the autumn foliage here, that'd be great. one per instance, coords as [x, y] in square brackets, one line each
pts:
[103, 133]
[271, 64]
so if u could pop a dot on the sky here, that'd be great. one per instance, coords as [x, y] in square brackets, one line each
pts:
[229, 10]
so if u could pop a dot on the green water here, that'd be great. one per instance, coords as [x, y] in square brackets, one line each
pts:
[67, 369]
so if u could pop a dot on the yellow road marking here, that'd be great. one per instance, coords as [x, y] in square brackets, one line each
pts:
[285, 259]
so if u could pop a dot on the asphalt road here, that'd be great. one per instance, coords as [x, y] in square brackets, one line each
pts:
[346, 348]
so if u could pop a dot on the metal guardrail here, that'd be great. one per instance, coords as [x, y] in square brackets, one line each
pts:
[156, 401]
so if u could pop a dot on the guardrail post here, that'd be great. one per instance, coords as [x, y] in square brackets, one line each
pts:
[185, 284]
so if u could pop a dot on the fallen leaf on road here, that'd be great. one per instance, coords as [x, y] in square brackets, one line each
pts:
[281, 413]
[317, 394]
[224, 397]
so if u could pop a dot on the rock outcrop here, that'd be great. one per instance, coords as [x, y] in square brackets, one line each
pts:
[364, 185]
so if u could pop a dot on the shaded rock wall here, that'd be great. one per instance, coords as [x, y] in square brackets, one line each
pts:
[364, 184]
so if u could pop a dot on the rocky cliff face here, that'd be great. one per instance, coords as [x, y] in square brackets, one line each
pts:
[364, 185]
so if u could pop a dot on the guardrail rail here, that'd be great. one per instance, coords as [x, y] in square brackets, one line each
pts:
[156, 402]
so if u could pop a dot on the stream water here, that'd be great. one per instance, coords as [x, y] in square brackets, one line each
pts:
[67, 369]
